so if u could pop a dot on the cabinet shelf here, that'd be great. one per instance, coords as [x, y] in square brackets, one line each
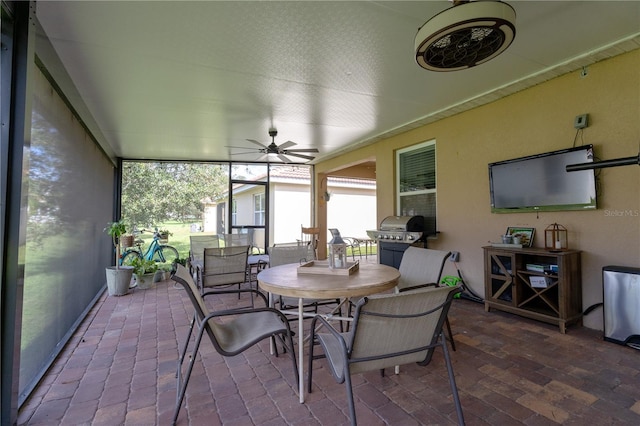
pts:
[538, 274]
[554, 296]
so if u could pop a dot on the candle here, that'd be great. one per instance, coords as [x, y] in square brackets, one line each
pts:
[558, 245]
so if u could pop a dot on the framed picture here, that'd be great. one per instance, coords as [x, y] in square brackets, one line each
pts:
[525, 234]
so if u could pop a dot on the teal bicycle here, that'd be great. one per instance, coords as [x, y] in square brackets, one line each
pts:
[160, 253]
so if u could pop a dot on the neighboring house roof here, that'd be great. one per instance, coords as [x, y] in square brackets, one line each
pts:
[292, 173]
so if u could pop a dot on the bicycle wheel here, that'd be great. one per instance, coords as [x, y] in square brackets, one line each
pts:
[165, 254]
[128, 256]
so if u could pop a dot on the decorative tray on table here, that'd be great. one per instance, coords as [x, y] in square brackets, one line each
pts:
[322, 268]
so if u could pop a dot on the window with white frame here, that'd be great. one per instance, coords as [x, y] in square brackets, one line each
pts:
[416, 182]
[258, 209]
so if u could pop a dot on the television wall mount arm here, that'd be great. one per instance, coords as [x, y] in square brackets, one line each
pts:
[602, 164]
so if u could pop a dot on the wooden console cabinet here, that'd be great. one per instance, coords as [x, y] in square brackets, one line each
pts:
[534, 283]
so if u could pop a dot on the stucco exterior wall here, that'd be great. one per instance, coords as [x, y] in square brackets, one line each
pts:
[352, 212]
[291, 203]
[535, 120]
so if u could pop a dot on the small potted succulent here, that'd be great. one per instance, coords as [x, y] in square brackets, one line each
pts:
[163, 273]
[118, 277]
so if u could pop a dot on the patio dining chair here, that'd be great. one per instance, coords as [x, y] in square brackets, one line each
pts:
[223, 266]
[354, 246]
[235, 239]
[231, 332]
[421, 267]
[309, 236]
[387, 330]
[298, 254]
[196, 249]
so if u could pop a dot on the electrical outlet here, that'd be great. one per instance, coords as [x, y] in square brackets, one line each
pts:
[581, 121]
[455, 256]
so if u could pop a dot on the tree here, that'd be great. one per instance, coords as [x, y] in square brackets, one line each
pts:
[155, 192]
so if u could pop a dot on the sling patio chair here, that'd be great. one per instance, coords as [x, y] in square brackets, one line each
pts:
[223, 266]
[422, 267]
[235, 240]
[298, 254]
[231, 332]
[309, 236]
[198, 243]
[387, 330]
[354, 246]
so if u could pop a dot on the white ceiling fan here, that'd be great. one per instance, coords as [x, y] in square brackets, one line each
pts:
[282, 151]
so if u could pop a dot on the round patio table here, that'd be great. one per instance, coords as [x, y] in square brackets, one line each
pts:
[370, 278]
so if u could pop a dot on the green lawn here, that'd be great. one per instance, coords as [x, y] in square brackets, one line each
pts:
[180, 237]
[182, 231]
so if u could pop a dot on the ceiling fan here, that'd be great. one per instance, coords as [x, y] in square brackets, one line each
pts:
[282, 151]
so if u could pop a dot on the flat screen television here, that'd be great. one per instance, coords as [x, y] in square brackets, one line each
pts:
[541, 183]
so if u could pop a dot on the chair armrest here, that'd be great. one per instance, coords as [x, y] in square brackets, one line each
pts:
[236, 291]
[416, 287]
[231, 312]
[335, 348]
[325, 324]
[198, 270]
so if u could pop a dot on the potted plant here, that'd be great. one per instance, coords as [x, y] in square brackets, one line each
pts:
[181, 260]
[164, 234]
[144, 271]
[163, 273]
[118, 277]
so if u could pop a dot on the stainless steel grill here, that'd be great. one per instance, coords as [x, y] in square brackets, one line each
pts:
[399, 229]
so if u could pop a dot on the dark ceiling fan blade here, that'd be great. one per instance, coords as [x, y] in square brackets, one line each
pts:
[257, 143]
[293, 154]
[302, 150]
[287, 144]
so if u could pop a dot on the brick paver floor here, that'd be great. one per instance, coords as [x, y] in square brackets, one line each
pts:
[119, 369]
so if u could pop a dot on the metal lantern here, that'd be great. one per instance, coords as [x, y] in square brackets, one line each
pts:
[555, 238]
[337, 253]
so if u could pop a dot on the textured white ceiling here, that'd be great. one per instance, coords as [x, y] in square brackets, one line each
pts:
[186, 80]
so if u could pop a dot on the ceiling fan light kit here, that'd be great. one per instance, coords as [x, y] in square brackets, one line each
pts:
[465, 35]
